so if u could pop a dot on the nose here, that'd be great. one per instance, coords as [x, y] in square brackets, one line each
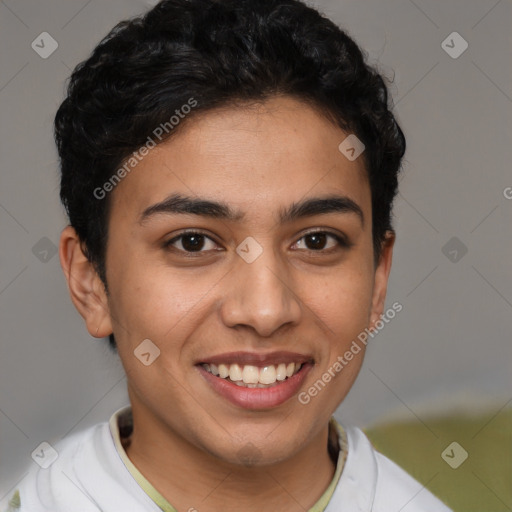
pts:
[261, 296]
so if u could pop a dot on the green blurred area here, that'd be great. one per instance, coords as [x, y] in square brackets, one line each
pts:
[482, 483]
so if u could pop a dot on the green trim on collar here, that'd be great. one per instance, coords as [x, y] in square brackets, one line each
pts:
[14, 502]
[122, 420]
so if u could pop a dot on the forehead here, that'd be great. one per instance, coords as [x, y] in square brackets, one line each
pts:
[258, 158]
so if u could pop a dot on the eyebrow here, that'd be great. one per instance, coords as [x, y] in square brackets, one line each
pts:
[180, 204]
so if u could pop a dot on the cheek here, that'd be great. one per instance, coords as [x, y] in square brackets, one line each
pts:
[342, 302]
[153, 302]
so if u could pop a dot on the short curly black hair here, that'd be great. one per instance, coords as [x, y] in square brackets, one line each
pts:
[221, 53]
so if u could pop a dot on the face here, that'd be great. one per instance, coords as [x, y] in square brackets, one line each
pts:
[242, 248]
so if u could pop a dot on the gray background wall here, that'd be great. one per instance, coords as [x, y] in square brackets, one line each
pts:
[449, 349]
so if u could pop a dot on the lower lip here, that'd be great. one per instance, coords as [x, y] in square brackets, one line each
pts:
[257, 398]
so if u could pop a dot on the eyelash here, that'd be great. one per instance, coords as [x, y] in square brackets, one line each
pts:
[342, 242]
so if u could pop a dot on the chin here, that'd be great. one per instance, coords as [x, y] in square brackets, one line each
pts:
[254, 454]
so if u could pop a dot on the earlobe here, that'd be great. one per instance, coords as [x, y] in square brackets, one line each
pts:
[85, 286]
[381, 277]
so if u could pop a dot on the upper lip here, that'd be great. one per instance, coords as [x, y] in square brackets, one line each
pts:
[255, 359]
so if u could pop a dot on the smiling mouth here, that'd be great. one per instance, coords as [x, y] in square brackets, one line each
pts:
[250, 376]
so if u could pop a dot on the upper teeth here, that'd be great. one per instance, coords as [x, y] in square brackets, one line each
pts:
[249, 374]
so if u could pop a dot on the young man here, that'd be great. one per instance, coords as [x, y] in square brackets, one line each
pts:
[228, 167]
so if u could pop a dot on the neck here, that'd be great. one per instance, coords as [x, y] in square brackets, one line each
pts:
[198, 480]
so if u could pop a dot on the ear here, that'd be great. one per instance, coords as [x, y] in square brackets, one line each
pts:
[381, 278]
[85, 286]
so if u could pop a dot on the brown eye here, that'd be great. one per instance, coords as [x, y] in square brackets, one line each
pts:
[320, 241]
[316, 241]
[191, 242]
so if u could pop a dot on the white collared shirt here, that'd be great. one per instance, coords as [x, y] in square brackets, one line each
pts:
[93, 474]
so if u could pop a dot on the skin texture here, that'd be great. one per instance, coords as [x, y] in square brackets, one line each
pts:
[259, 160]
